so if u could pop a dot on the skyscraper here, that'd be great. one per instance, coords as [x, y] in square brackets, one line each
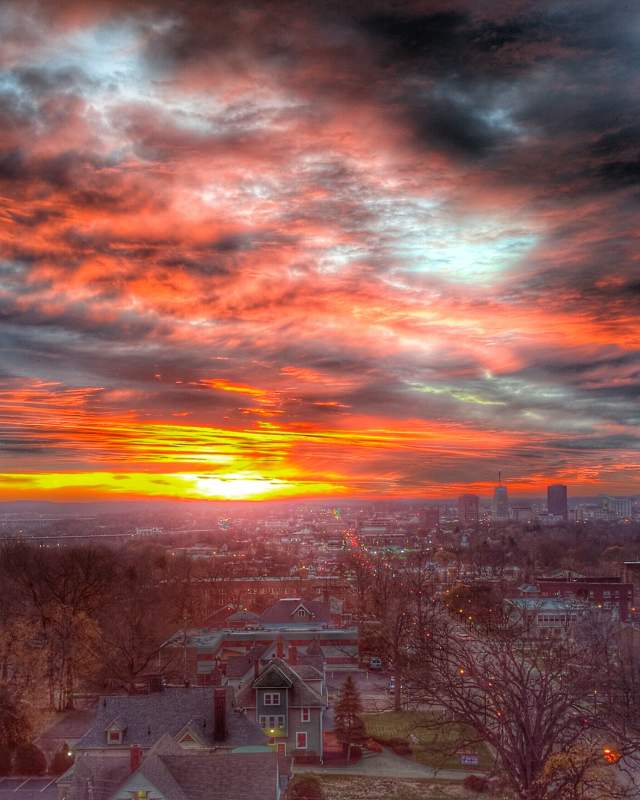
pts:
[500, 503]
[469, 509]
[557, 501]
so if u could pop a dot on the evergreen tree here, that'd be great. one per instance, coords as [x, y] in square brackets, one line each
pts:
[349, 727]
[61, 760]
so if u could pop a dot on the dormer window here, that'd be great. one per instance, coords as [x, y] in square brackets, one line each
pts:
[272, 698]
[115, 731]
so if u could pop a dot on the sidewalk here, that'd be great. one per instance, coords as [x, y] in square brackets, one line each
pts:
[388, 765]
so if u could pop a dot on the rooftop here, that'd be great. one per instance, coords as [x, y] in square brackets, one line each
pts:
[145, 718]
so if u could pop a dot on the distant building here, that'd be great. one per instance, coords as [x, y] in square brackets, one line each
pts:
[200, 653]
[500, 503]
[631, 574]
[294, 612]
[469, 509]
[549, 617]
[149, 531]
[609, 593]
[557, 501]
[522, 513]
[429, 517]
[617, 507]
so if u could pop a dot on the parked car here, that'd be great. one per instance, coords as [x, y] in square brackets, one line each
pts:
[375, 662]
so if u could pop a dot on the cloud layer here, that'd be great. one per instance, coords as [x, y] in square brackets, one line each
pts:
[289, 249]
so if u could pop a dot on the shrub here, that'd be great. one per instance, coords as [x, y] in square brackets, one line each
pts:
[356, 753]
[476, 783]
[401, 749]
[29, 760]
[305, 787]
[5, 762]
[61, 760]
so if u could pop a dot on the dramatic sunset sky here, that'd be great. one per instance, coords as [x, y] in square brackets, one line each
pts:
[293, 249]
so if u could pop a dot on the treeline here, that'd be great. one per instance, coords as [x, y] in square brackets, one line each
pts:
[83, 618]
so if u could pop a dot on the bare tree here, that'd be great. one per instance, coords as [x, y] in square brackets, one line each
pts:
[528, 700]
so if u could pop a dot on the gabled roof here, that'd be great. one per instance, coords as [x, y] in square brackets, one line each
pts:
[147, 717]
[273, 676]
[284, 611]
[300, 693]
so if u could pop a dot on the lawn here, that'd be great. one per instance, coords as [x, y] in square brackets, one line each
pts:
[433, 743]
[351, 787]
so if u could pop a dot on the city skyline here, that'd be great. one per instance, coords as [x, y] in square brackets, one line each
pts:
[359, 250]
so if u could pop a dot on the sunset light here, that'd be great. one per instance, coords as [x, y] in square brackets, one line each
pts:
[364, 267]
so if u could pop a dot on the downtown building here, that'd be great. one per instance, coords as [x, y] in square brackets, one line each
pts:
[500, 503]
[557, 505]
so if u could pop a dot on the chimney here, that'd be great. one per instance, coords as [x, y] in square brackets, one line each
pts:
[256, 668]
[280, 647]
[219, 714]
[135, 757]
[293, 655]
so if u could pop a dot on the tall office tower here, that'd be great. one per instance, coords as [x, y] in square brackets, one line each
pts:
[557, 501]
[500, 503]
[469, 509]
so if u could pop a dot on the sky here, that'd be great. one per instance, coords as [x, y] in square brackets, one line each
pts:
[257, 250]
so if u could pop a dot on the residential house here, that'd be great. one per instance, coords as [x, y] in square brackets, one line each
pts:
[289, 704]
[199, 718]
[169, 772]
[294, 612]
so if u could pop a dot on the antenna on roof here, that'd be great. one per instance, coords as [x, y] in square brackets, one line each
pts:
[499, 476]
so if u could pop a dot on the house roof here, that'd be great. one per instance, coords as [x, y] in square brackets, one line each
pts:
[317, 662]
[147, 717]
[177, 774]
[228, 776]
[546, 604]
[238, 666]
[243, 616]
[284, 612]
[102, 773]
[308, 672]
[301, 694]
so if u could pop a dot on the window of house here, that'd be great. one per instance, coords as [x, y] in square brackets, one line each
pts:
[272, 698]
[301, 740]
[305, 714]
[271, 722]
[115, 737]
